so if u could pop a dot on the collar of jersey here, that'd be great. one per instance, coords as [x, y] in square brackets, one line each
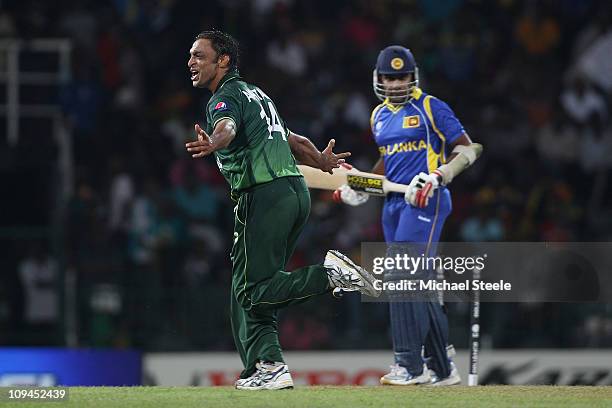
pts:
[414, 94]
[234, 74]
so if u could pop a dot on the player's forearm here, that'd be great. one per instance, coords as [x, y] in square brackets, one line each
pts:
[465, 153]
[304, 150]
[463, 140]
[224, 133]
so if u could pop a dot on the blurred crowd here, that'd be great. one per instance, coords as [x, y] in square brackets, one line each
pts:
[147, 231]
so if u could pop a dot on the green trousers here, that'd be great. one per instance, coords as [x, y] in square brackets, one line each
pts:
[268, 221]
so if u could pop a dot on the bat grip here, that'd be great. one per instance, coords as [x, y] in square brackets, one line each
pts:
[423, 193]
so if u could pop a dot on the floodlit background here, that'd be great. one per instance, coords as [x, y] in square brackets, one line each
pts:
[112, 237]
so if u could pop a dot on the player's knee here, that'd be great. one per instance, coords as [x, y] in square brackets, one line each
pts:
[244, 300]
[260, 300]
[255, 299]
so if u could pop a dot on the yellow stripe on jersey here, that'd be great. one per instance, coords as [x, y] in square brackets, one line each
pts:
[433, 159]
[394, 109]
[416, 93]
[427, 105]
[374, 112]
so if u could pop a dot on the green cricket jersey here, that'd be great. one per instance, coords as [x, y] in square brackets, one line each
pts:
[260, 151]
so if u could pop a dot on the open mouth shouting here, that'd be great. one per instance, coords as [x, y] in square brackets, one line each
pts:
[195, 75]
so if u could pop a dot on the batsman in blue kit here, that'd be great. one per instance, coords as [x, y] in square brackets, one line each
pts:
[424, 145]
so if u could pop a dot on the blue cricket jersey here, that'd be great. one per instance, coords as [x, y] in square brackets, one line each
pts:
[413, 138]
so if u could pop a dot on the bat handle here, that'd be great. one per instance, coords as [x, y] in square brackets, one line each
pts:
[423, 194]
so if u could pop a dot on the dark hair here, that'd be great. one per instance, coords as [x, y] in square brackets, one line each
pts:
[222, 43]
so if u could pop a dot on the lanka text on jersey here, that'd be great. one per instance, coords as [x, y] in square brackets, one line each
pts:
[415, 137]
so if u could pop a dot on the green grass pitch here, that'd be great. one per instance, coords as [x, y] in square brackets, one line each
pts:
[334, 397]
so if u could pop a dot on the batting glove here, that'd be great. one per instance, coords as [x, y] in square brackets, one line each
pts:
[349, 196]
[421, 189]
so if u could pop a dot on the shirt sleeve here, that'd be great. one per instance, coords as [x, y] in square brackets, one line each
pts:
[446, 121]
[373, 117]
[224, 106]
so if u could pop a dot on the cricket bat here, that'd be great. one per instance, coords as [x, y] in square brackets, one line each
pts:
[373, 184]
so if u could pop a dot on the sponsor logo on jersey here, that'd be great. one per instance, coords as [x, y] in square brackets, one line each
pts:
[411, 121]
[397, 63]
[413, 146]
[220, 106]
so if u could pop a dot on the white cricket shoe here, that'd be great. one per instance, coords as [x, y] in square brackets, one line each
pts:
[453, 379]
[348, 276]
[400, 376]
[269, 376]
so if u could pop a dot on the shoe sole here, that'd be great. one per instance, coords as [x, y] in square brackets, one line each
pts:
[282, 386]
[447, 382]
[384, 381]
[285, 386]
[368, 281]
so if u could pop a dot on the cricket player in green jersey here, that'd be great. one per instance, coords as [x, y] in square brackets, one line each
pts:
[257, 154]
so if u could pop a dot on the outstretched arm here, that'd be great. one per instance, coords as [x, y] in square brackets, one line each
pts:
[306, 153]
[222, 136]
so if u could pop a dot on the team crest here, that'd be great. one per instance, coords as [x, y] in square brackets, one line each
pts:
[397, 63]
[411, 121]
[221, 106]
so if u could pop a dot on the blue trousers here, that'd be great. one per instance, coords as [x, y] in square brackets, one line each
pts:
[418, 325]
